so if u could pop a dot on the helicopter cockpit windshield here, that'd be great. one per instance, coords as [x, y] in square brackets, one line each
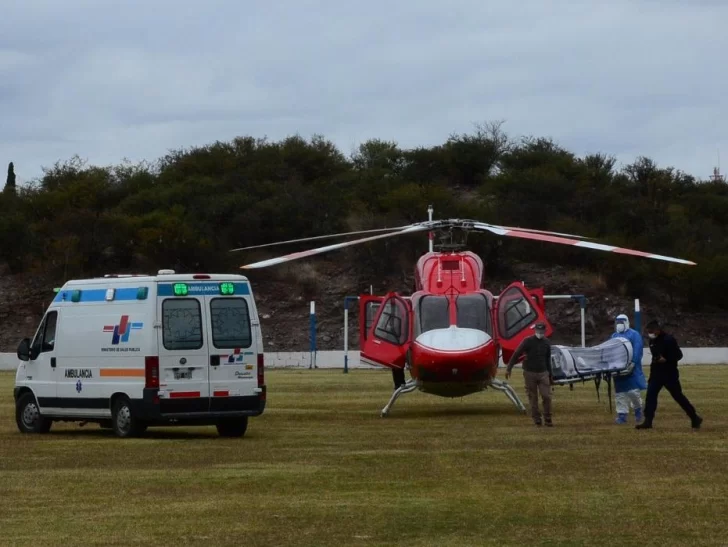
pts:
[433, 312]
[473, 312]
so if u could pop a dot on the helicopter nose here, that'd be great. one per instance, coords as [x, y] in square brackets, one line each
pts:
[453, 339]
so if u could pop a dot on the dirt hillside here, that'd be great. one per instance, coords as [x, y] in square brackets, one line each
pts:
[283, 302]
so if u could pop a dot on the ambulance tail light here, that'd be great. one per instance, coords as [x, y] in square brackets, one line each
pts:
[151, 371]
[261, 371]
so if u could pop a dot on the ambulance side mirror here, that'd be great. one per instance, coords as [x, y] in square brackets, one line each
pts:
[24, 349]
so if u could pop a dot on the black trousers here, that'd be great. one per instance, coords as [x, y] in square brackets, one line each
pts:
[670, 380]
[398, 377]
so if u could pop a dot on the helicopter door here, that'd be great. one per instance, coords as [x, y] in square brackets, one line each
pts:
[368, 307]
[389, 337]
[516, 313]
[538, 297]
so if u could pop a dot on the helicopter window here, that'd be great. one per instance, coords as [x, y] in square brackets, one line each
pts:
[371, 314]
[393, 325]
[434, 313]
[473, 312]
[515, 313]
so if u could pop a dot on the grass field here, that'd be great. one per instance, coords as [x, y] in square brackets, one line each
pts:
[320, 467]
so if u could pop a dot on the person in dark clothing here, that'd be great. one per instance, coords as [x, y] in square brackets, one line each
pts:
[536, 372]
[664, 373]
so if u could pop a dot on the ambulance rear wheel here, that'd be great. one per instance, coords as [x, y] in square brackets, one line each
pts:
[28, 416]
[123, 421]
[232, 428]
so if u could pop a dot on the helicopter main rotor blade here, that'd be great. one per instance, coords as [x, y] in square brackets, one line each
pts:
[517, 232]
[467, 224]
[311, 252]
[328, 236]
[540, 231]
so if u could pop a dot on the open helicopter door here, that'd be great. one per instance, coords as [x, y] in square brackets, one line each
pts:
[515, 315]
[538, 298]
[368, 307]
[388, 338]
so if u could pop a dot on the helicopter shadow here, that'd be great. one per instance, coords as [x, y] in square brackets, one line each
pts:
[404, 413]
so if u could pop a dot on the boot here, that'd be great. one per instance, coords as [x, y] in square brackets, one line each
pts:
[695, 422]
[644, 425]
[621, 419]
[638, 416]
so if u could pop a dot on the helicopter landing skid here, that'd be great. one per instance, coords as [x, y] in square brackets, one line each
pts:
[510, 393]
[407, 387]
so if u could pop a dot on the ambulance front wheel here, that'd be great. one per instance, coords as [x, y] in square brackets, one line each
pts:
[28, 416]
[232, 428]
[123, 421]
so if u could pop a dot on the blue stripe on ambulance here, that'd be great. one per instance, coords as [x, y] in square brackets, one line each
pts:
[131, 293]
[96, 295]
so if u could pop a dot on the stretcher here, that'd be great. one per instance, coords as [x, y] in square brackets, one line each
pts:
[609, 359]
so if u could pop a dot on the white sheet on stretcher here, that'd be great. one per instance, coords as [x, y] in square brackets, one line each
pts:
[575, 363]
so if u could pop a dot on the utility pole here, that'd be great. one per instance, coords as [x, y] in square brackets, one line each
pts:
[431, 235]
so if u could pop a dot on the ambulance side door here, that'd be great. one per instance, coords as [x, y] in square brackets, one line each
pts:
[42, 372]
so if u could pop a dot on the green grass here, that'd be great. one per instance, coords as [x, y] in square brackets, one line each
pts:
[320, 467]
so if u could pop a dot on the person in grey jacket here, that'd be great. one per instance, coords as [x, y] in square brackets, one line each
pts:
[536, 372]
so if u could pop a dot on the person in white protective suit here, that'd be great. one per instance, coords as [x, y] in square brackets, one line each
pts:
[627, 388]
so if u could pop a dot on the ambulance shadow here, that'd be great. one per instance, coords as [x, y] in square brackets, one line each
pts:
[155, 434]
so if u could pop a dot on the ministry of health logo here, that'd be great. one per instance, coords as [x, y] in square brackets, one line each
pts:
[122, 330]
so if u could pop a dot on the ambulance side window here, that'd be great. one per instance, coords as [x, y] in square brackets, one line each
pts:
[45, 339]
[181, 324]
[230, 319]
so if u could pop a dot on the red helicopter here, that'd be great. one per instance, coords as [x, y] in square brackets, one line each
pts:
[451, 331]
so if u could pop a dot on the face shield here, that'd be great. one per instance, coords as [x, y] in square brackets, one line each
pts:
[621, 324]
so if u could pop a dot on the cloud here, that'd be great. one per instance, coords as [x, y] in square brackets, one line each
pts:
[108, 80]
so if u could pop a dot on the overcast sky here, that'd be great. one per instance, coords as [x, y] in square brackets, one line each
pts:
[133, 79]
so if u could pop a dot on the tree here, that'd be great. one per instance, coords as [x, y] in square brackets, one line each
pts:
[190, 207]
[10, 182]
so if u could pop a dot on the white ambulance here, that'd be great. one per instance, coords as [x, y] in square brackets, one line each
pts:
[130, 351]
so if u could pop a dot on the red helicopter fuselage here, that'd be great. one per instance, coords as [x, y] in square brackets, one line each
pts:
[451, 332]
